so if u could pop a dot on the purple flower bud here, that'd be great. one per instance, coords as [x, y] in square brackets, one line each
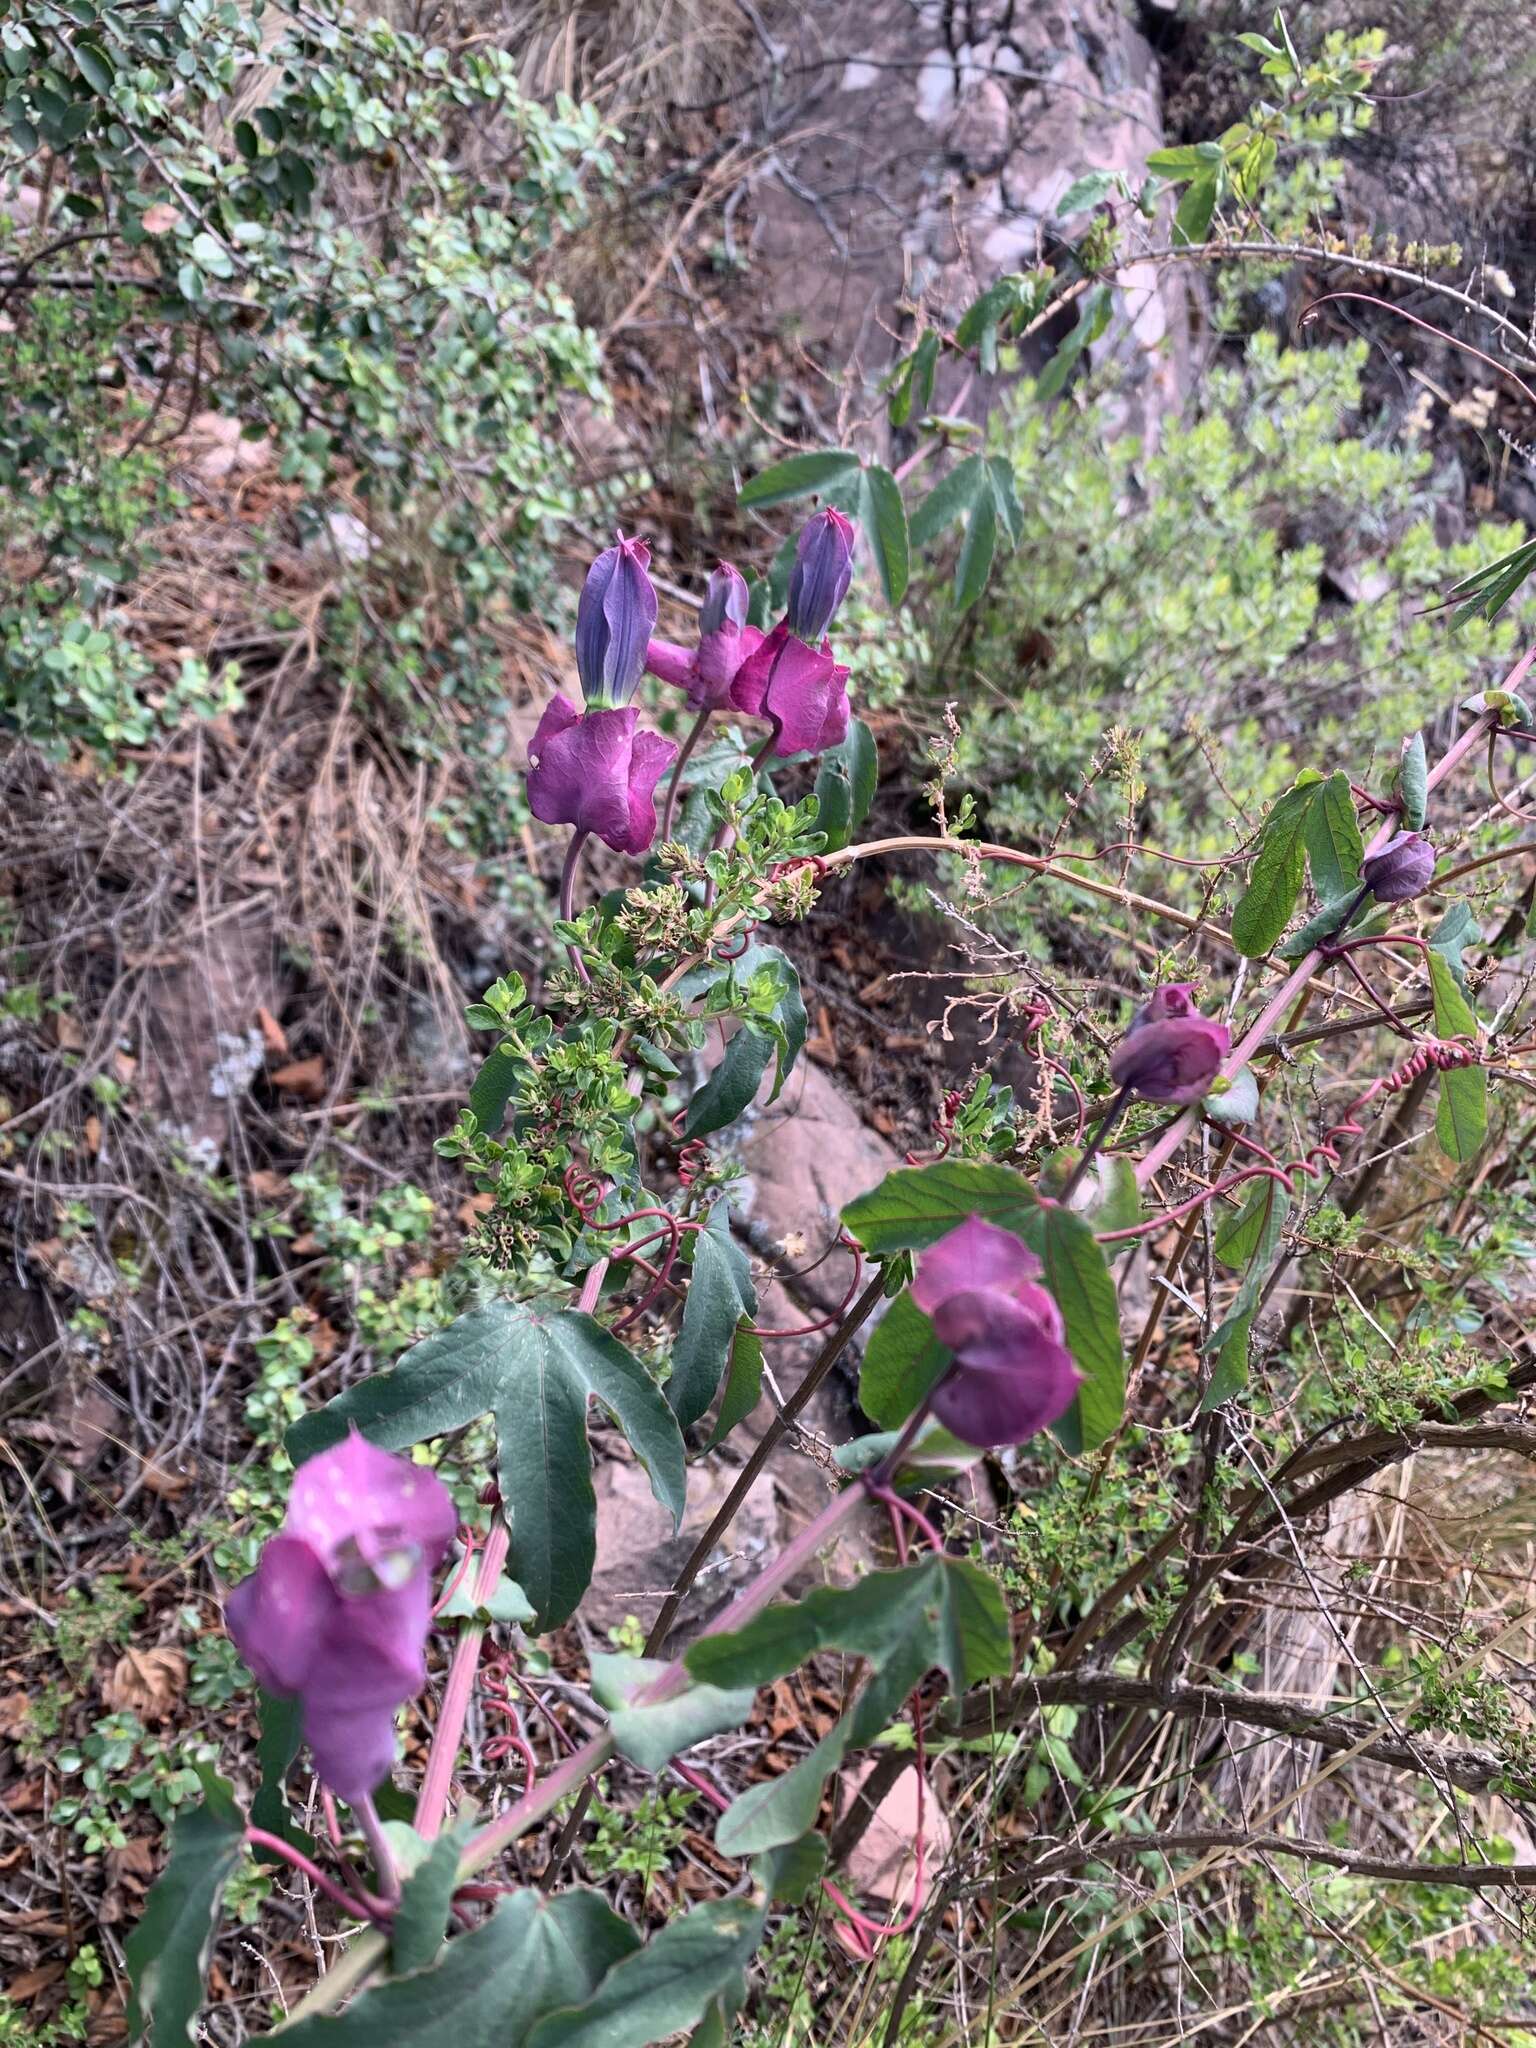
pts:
[803, 690]
[339, 1605]
[613, 623]
[1404, 868]
[725, 639]
[593, 770]
[1170, 1053]
[822, 572]
[1012, 1374]
[726, 600]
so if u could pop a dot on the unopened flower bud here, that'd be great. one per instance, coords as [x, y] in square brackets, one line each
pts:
[1171, 1053]
[725, 639]
[726, 600]
[614, 621]
[822, 572]
[1405, 867]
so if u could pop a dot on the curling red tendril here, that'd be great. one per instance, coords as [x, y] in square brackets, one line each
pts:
[1430, 1054]
[693, 1162]
[830, 1322]
[494, 1686]
[801, 860]
[943, 1129]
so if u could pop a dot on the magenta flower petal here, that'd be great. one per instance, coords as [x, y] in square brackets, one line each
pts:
[375, 1653]
[650, 760]
[358, 1504]
[802, 689]
[673, 664]
[592, 770]
[353, 1751]
[1172, 1060]
[977, 1254]
[340, 1604]
[1012, 1375]
[282, 1613]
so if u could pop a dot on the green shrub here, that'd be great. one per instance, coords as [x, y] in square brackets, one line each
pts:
[1184, 597]
[347, 232]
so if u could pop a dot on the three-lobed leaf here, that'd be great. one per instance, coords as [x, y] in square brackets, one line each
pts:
[535, 1372]
[942, 1612]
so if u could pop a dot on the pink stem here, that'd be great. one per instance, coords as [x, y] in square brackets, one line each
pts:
[371, 1909]
[569, 1776]
[568, 896]
[432, 1802]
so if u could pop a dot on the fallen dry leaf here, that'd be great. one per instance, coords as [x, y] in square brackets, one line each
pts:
[166, 1484]
[23, 1989]
[470, 1212]
[304, 1078]
[266, 1184]
[92, 1133]
[13, 1713]
[124, 1067]
[147, 1683]
[68, 1033]
[159, 219]
[273, 1036]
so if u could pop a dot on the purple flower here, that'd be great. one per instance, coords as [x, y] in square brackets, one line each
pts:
[1404, 868]
[593, 770]
[338, 1607]
[1170, 1053]
[725, 638]
[1012, 1374]
[821, 575]
[725, 641]
[613, 623]
[803, 690]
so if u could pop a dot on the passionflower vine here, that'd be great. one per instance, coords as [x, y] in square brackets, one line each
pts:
[338, 1607]
[1404, 868]
[1170, 1053]
[614, 618]
[1012, 1374]
[597, 771]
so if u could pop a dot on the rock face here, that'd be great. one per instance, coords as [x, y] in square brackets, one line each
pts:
[806, 1155]
[925, 159]
[639, 1557]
